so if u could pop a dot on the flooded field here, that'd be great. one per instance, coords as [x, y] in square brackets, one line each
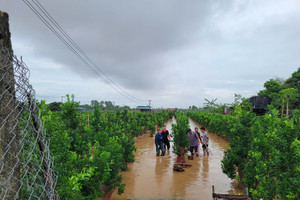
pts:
[151, 177]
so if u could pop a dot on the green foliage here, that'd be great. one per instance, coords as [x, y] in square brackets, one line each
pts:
[271, 86]
[210, 105]
[294, 80]
[217, 123]
[240, 104]
[106, 106]
[90, 149]
[264, 150]
[54, 106]
[179, 133]
[193, 108]
[280, 92]
[289, 96]
[273, 159]
[70, 114]
[75, 181]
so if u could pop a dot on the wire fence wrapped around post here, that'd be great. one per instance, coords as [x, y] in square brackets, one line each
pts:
[26, 165]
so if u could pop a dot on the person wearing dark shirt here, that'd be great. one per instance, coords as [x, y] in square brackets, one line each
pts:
[159, 143]
[166, 137]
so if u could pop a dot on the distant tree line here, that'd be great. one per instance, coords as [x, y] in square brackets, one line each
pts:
[283, 95]
[104, 106]
[107, 105]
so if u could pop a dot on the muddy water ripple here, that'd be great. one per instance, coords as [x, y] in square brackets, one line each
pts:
[151, 177]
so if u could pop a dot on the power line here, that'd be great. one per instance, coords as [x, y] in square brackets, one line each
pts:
[71, 45]
[75, 45]
[73, 49]
[46, 13]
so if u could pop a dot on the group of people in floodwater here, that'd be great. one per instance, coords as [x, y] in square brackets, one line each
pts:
[162, 141]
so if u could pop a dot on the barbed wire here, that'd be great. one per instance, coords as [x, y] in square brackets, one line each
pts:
[26, 165]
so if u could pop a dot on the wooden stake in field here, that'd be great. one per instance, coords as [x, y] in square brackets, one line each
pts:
[9, 142]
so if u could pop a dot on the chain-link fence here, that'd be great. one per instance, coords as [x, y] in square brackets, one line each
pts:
[26, 165]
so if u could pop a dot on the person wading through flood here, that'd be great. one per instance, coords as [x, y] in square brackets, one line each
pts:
[159, 143]
[199, 136]
[194, 141]
[166, 138]
[205, 140]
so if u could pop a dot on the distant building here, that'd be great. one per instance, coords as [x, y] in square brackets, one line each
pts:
[146, 109]
[259, 104]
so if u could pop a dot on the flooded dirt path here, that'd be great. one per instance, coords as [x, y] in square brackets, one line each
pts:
[151, 177]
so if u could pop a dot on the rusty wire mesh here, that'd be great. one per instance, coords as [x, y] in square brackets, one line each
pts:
[26, 165]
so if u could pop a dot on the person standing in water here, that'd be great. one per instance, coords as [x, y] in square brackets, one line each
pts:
[166, 138]
[199, 136]
[205, 140]
[159, 143]
[194, 141]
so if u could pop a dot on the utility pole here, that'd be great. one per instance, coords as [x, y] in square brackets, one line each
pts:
[9, 132]
[62, 99]
[149, 103]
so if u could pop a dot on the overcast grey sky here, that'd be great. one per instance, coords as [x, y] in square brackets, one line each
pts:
[174, 52]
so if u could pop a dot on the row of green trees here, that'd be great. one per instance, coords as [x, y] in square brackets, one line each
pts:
[104, 106]
[90, 149]
[179, 134]
[264, 153]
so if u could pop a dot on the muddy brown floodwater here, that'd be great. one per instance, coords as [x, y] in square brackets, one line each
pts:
[151, 177]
